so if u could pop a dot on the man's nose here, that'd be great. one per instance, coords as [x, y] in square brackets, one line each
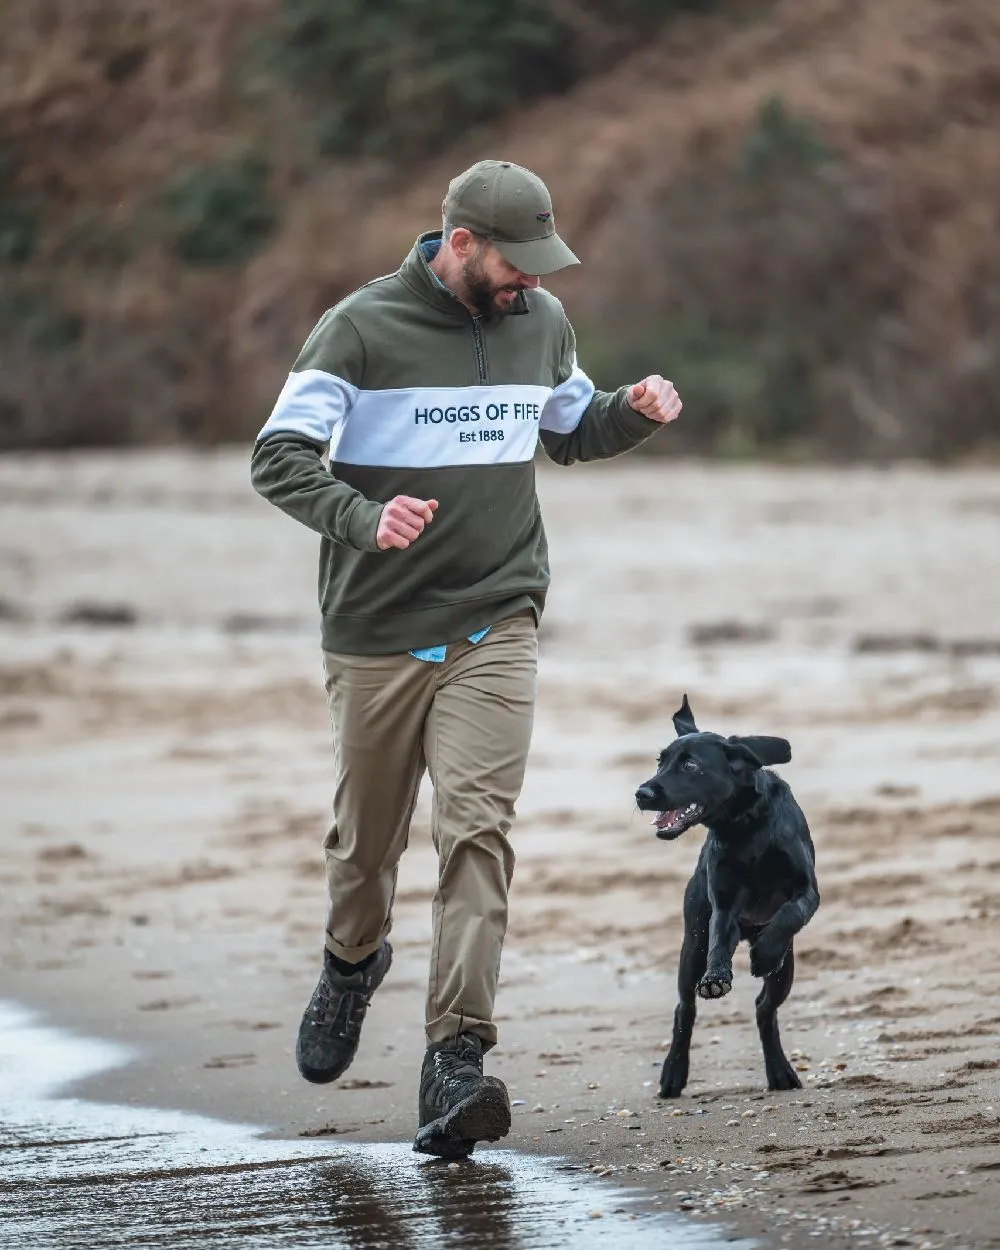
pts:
[529, 282]
[647, 793]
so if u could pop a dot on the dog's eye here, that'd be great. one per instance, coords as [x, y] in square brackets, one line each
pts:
[689, 766]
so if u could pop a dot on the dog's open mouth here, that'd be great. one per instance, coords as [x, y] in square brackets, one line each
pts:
[673, 822]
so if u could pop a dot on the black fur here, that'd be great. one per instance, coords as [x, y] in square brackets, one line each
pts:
[755, 880]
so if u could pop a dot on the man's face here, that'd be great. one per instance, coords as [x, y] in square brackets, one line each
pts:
[492, 284]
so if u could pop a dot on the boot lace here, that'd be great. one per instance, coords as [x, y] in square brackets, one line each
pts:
[458, 1064]
[339, 1009]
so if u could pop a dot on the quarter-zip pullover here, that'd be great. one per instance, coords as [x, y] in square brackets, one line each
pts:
[409, 394]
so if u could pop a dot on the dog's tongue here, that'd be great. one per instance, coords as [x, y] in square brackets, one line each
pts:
[666, 819]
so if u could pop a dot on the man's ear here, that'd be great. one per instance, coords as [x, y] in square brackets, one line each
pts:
[765, 749]
[684, 719]
[462, 242]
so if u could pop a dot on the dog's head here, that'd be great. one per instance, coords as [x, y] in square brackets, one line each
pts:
[700, 774]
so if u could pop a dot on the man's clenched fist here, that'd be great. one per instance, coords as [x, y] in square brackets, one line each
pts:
[655, 398]
[402, 520]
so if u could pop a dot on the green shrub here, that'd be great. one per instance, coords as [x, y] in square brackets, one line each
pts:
[397, 78]
[746, 392]
[32, 316]
[221, 214]
[749, 287]
[17, 233]
[18, 223]
[781, 140]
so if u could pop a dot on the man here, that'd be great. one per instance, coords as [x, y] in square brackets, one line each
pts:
[430, 388]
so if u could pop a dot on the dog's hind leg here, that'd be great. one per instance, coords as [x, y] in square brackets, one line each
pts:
[777, 987]
[693, 962]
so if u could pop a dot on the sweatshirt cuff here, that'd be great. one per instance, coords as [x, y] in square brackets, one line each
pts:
[362, 525]
[635, 424]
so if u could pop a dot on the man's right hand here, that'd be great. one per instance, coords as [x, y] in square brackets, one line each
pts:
[402, 520]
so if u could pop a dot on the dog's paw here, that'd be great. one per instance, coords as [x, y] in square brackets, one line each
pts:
[781, 1075]
[673, 1077]
[766, 957]
[715, 984]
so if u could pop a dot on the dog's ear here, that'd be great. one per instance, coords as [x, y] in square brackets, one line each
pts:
[765, 749]
[684, 719]
[741, 756]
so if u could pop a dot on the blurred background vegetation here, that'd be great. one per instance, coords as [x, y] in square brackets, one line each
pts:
[790, 209]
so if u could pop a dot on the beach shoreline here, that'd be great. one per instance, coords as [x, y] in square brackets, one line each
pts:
[166, 782]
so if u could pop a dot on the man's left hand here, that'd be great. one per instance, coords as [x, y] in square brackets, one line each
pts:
[656, 399]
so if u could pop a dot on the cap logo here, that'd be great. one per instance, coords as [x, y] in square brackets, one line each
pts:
[543, 216]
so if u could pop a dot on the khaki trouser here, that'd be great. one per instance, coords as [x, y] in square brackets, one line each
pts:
[468, 723]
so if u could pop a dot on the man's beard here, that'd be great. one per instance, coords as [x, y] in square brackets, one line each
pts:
[481, 294]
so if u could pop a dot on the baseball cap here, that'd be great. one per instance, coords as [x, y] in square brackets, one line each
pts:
[510, 206]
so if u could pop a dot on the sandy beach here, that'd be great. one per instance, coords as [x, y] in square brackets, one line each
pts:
[165, 779]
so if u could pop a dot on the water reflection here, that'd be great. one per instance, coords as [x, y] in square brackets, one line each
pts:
[73, 1173]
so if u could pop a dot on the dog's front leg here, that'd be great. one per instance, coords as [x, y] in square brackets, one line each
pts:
[768, 952]
[694, 957]
[723, 938]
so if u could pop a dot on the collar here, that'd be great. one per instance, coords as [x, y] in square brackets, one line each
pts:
[416, 272]
[429, 248]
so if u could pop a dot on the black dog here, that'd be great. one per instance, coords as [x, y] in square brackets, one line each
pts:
[755, 878]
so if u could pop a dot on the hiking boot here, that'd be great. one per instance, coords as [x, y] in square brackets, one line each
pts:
[331, 1027]
[458, 1105]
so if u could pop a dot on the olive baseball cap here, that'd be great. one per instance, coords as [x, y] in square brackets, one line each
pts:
[510, 206]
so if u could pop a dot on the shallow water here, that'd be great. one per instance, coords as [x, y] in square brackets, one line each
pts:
[74, 1173]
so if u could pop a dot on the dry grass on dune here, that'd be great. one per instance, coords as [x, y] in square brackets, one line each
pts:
[103, 104]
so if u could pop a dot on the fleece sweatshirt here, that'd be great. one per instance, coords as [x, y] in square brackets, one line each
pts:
[399, 390]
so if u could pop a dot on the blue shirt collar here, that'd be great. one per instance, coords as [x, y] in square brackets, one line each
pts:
[430, 248]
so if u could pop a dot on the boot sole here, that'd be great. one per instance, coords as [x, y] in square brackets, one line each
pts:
[324, 1076]
[483, 1116]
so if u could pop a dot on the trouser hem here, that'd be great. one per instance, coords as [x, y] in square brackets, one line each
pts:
[445, 1027]
[352, 954]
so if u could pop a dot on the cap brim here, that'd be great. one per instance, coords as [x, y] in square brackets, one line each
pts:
[537, 256]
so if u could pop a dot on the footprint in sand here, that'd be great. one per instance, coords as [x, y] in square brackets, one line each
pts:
[168, 1004]
[230, 1061]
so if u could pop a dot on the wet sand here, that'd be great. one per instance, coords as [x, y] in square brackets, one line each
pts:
[77, 1172]
[164, 766]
